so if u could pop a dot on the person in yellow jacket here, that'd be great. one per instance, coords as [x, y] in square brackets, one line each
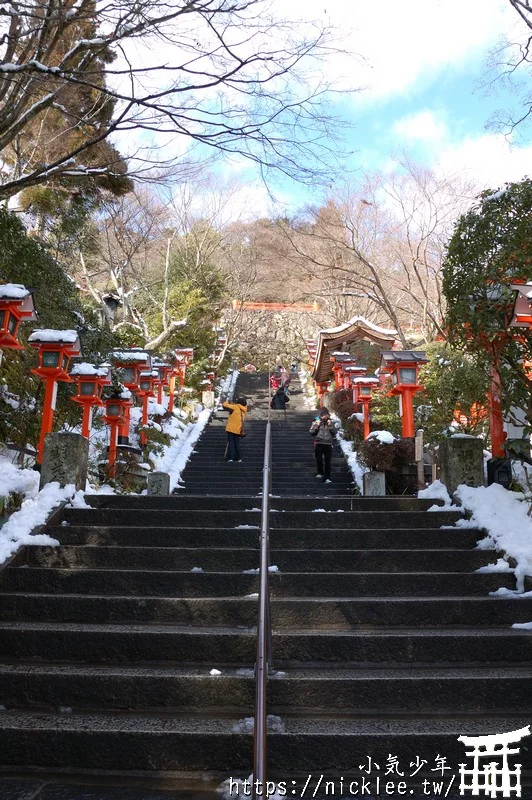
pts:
[235, 427]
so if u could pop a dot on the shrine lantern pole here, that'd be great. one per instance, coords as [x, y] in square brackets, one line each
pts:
[55, 349]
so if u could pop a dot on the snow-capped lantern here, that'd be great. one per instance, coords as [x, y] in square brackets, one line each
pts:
[90, 380]
[340, 362]
[164, 371]
[16, 306]
[55, 349]
[116, 416]
[349, 373]
[131, 363]
[403, 366]
[363, 387]
[145, 391]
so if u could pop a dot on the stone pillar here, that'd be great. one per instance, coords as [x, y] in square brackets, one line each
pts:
[461, 461]
[373, 484]
[65, 459]
[158, 484]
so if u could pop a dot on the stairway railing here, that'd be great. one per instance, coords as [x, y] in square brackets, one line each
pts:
[264, 641]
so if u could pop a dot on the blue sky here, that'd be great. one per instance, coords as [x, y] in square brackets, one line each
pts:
[423, 66]
[416, 76]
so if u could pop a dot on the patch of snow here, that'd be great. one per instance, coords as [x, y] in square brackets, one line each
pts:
[436, 491]
[88, 369]
[500, 566]
[33, 512]
[247, 527]
[504, 515]
[354, 320]
[384, 437]
[21, 481]
[48, 335]
[197, 569]
[524, 626]
[176, 455]
[13, 291]
[215, 672]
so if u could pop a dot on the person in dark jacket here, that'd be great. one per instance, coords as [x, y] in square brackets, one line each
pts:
[324, 433]
[279, 401]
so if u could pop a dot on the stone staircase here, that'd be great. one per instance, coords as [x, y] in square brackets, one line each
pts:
[386, 640]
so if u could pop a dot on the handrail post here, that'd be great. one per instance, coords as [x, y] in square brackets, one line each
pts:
[263, 657]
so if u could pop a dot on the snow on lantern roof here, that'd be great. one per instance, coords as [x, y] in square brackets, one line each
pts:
[46, 335]
[362, 321]
[89, 369]
[13, 291]
[131, 356]
[366, 380]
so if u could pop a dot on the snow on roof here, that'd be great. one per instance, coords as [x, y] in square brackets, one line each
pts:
[48, 335]
[130, 356]
[366, 380]
[13, 291]
[88, 369]
[363, 321]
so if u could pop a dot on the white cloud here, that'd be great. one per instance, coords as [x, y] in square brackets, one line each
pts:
[403, 43]
[423, 126]
[490, 159]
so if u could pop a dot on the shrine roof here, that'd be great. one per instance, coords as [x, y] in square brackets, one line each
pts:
[335, 339]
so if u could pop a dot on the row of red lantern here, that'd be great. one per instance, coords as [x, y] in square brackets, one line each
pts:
[56, 348]
[401, 366]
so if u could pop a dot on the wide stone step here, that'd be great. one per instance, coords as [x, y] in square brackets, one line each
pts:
[321, 539]
[185, 689]
[126, 643]
[227, 519]
[169, 583]
[237, 559]
[182, 502]
[80, 687]
[324, 613]
[399, 691]
[155, 742]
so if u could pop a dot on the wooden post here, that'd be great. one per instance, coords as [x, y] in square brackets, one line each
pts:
[419, 459]
[87, 420]
[50, 394]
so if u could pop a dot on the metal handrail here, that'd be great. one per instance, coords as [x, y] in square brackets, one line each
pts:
[263, 657]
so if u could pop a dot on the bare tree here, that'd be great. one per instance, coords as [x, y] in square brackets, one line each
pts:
[377, 249]
[509, 63]
[224, 75]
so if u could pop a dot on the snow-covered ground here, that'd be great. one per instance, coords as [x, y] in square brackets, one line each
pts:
[37, 505]
[502, 514]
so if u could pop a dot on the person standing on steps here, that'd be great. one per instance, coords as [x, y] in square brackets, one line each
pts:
[235, 427]
[285, 380]
[279, 401]
[324, 433]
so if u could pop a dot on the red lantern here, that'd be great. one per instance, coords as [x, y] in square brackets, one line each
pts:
[362, 393]
[145, 391]
[56, 348]
[116, 413]
[91, 381]
[16, 306]
[131, 363]
[164, 372]
[403, 366]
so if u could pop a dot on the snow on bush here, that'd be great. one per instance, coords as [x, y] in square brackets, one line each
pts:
[33, 512]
